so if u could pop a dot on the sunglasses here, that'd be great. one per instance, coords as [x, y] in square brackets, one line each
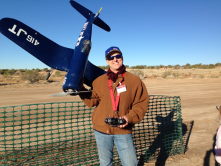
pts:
[110, 58]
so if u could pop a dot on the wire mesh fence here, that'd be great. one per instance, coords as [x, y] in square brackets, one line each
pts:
[62, 133]
[159, 134]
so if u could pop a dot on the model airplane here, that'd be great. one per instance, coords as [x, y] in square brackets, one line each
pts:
[73, 61]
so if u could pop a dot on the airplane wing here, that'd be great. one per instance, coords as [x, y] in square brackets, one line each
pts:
[44, 49]
[91, 73]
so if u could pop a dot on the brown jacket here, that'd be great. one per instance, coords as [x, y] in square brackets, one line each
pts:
[133, 103]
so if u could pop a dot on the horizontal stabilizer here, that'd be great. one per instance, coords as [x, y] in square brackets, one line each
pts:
[47, 51]
[87, 14]
[61, 94]
[81, 9]
[91, 73]
[100, 23]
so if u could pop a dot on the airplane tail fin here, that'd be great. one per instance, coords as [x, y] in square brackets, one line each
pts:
[87, 14]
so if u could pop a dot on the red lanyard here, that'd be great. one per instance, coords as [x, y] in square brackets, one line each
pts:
[114, 103]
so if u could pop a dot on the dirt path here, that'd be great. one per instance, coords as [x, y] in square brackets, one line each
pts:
[199, 98]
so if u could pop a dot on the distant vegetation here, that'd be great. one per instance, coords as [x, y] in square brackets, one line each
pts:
[107, 67]
[8, 72]
[32, 76]
[187, 66]
[27, 75]
[39, 75]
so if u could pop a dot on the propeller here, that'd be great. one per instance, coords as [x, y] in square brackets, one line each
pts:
[48, 74]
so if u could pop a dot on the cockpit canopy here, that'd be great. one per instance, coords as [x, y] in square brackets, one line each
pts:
[86, 47]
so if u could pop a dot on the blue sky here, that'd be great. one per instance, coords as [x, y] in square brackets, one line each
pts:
[148, 32]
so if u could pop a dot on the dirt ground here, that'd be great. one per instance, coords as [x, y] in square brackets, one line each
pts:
[199, 98]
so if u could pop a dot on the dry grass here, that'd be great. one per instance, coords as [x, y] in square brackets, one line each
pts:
[57, 77]
[178, 73]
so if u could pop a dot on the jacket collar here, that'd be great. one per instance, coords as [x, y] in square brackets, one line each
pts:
[119, 79]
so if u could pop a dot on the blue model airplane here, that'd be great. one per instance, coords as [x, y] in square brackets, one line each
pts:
[73, 61]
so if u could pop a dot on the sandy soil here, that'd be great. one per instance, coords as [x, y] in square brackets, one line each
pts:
[199, 98]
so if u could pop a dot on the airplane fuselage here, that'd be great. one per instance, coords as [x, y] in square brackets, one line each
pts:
[79, 59]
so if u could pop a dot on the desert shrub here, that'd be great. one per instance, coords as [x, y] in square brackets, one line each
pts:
[154, 76]
[187, 66]
[37, 70]
[211, 66]
[104, 67]
[177, 66]
[2, 71]
[166, 74]
[176, 75]
[139, 67]
[150, 67]
[201, 76]
[169, 66]
[218, 64]
[22, 70]
[157, 67]
[7, 72]
[137, 72]
[57, 74]
[171, 74]
[45, 69]
[31, 75]
[214, 76]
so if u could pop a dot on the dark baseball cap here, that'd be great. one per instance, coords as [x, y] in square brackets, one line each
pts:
[112, 49]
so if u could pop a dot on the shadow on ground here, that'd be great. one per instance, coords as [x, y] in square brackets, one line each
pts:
[209, 153]
[164, 145]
